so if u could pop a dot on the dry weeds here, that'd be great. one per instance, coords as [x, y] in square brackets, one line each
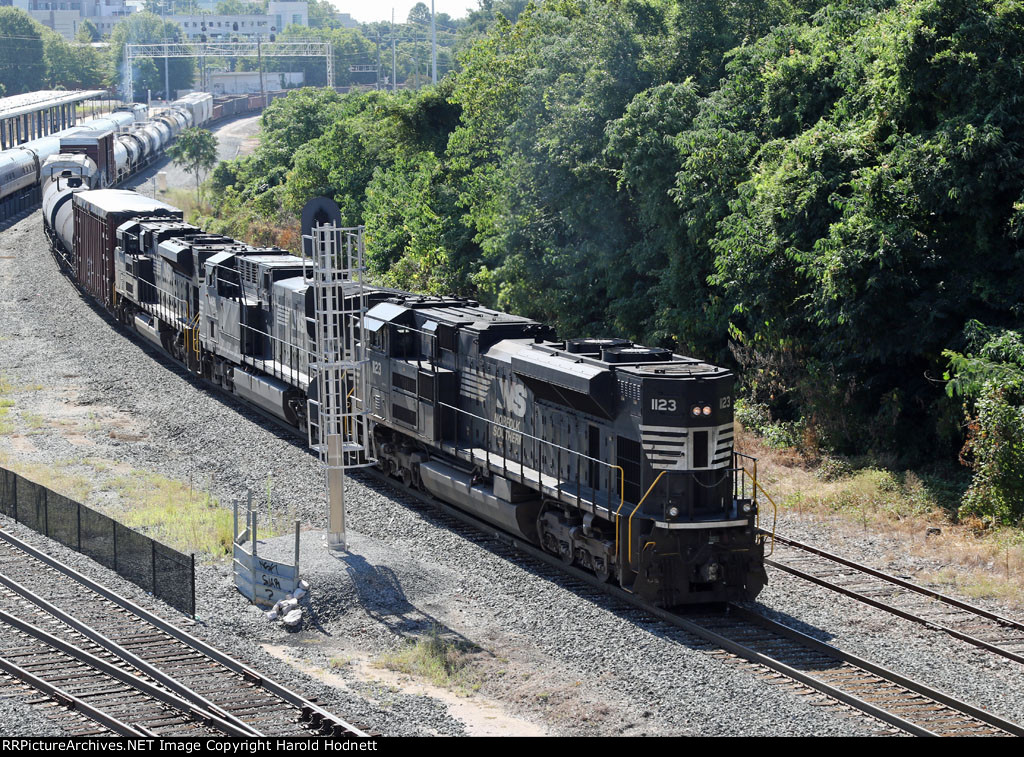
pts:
[917, 510]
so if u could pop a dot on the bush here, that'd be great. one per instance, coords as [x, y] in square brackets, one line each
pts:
[991, 379]
[995, 450]
[756, 417]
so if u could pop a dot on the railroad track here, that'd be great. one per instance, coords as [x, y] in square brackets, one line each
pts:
[742, 635]
[125, 670]
[974, 625]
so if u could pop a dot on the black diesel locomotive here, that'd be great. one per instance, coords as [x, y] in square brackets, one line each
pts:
[616, 457]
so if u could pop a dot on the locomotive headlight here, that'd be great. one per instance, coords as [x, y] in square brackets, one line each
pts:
[706, 410]
[696, 410]
[673, 512]
[748, 507]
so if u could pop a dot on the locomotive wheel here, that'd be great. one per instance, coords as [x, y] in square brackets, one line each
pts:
[603, 570]
[565, 551]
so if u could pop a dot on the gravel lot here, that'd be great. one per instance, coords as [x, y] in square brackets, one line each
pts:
[541, 659]
[234, 138]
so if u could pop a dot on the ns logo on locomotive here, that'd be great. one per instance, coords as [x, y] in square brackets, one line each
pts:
[617, 457]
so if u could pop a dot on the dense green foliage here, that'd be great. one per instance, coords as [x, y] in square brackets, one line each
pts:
[22, 68]
[990, 378]
[825, 193]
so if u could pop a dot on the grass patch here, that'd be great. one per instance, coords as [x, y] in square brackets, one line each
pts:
[169, 511]
[862, 495]
[440, 661]
[174, 513]
[34, 421]
[56, 476]
[185, 201]
[6, 403]
[774, 434]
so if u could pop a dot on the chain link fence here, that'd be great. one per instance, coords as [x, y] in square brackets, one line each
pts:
[160, 570]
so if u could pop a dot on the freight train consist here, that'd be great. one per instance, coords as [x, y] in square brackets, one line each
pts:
[116, 145]
[616, 457]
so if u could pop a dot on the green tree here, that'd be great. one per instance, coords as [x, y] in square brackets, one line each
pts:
[322, 15]
[240, 8]
[72, 65]
[349, 46]
[87, 32]
[196, 151]
[147, 28]
[22, 63]
[419, 14]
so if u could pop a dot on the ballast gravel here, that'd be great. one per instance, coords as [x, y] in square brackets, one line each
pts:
[542, 655]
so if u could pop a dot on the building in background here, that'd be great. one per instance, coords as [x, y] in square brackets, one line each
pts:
[65, 16]
[214, 26]
[248, 82]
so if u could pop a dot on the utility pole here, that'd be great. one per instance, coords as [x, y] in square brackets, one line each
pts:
[167, 73]
[259, 58]
[433, 44]
[394, 56]
[378, 56]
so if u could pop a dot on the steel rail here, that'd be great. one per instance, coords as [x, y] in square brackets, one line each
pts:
[72, 702]
[317, 716]
[908, 683]
[930, 593]
[732, 645]
[141, 684]
[905, 614]
[236, 726]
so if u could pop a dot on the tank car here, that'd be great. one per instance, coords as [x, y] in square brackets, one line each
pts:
[62, 176]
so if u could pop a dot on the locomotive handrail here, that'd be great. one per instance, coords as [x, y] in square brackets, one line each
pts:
[629, 523]
[775, 518]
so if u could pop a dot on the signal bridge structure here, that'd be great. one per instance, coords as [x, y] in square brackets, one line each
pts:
[202, 50]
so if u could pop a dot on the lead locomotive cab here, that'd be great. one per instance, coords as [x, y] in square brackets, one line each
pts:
[616, 457]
